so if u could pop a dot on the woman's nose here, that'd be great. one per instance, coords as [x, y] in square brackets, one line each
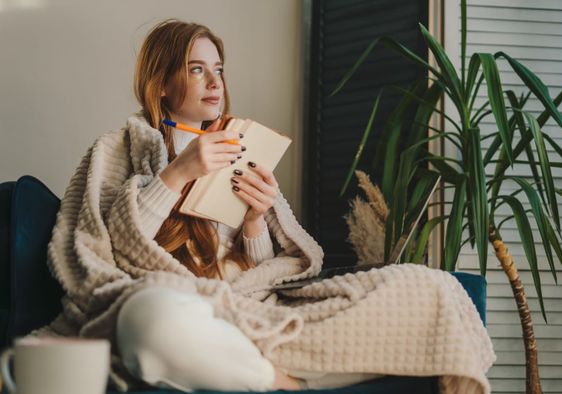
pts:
[214, 81]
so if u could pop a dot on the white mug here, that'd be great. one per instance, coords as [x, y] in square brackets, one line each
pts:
[57, 366]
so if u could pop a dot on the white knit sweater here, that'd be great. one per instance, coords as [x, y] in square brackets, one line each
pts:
[398, 320]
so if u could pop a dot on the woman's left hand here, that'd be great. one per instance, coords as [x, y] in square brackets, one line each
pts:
[258, 187]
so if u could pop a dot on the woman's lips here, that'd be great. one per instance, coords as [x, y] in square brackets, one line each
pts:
[211, 101]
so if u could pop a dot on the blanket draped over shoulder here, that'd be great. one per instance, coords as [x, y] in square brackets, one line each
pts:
[400, 320]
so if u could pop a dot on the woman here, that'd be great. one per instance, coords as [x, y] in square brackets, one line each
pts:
[180, 76]
[192, 94]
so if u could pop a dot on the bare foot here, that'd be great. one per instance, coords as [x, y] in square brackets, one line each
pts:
[284, 381]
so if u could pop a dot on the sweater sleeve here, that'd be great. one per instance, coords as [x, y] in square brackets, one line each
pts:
[259, 248]
[155, 201]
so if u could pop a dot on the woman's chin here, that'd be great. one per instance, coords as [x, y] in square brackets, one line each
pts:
[213, 115]
[208, 115]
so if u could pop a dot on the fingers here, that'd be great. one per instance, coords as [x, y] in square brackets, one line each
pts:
[264, 173]
[222, 135]
[225, 158]
[217, 165]
[248, 181]
[257, 205]
[254, 189]
[219, 155]
[221, 147]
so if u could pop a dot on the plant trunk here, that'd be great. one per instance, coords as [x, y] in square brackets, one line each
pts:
[533, 382]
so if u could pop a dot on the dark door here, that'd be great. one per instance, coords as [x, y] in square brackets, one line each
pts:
[340, 32]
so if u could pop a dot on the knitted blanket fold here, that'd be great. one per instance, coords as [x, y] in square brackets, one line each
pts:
[400, 320]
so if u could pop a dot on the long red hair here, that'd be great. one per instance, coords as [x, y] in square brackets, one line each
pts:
[163, 59]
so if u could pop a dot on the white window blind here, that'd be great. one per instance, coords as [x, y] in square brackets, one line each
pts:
[531, 32]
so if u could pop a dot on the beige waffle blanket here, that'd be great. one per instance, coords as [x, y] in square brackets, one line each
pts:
[400, 320]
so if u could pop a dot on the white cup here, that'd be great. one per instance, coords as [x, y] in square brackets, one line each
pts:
[57, 366]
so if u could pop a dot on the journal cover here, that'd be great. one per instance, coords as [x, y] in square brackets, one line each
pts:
[211, 196]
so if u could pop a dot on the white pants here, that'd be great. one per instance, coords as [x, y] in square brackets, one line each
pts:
[171, 339]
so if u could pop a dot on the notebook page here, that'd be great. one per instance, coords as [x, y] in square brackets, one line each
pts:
[263, 146]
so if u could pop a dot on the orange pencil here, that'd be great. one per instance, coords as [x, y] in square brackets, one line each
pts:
[184, 127]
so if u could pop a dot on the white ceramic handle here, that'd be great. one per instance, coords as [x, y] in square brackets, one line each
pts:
[5, 367]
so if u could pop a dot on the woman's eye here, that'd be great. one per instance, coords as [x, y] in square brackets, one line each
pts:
[198, 70]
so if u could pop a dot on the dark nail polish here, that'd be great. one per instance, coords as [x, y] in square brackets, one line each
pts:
[241, 135]
[233, 161]
[238, 172]
[233, 180]
[251, 164]
[239, 156]
[243, 148]
[236, 188]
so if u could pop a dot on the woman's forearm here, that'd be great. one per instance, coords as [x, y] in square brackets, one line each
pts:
[173, 178]
[253, 228]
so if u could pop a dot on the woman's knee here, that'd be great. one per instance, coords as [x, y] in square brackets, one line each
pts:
[152, 323]
[167, 336]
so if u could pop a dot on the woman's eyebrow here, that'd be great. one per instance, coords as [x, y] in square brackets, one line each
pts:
[202, 62]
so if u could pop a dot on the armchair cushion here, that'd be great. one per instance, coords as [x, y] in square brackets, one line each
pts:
[33, 295]
[475, 286]
[6, 190]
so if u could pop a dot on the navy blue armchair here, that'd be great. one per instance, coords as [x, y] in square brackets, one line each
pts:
[30, 296]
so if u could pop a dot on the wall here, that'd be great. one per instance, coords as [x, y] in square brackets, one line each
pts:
[67, 70]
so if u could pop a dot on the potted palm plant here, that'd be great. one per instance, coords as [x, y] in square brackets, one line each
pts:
[477, 195]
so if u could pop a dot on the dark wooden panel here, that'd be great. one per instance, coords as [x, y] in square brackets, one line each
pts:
[341, 30]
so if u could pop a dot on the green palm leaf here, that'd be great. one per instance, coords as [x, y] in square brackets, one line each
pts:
[540, 218]
[389, 146]
[554, 241]
[449, 174]
[478, 199]
[453, 235]
[361, 144]
[421, 192]
[392, 44]
[501, 167]
[463, 41]
[520, 122]
[535, 85]
[397, 209]
[495, 96]
[473, 67]
[423, 238]
[545, 167]
[448, 72]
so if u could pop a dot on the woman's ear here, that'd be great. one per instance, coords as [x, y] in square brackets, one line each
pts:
[163, 93]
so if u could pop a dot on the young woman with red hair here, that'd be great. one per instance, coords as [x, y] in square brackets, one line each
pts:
[180, 76]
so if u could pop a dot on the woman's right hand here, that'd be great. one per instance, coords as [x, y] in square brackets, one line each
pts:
[207, 153]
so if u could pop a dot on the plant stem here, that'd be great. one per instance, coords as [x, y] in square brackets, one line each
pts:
[533, 382]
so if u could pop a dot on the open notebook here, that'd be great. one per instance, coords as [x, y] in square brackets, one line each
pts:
[331, 272]
[211, 196]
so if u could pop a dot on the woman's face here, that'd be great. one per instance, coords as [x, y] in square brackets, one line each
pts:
[205, 87]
